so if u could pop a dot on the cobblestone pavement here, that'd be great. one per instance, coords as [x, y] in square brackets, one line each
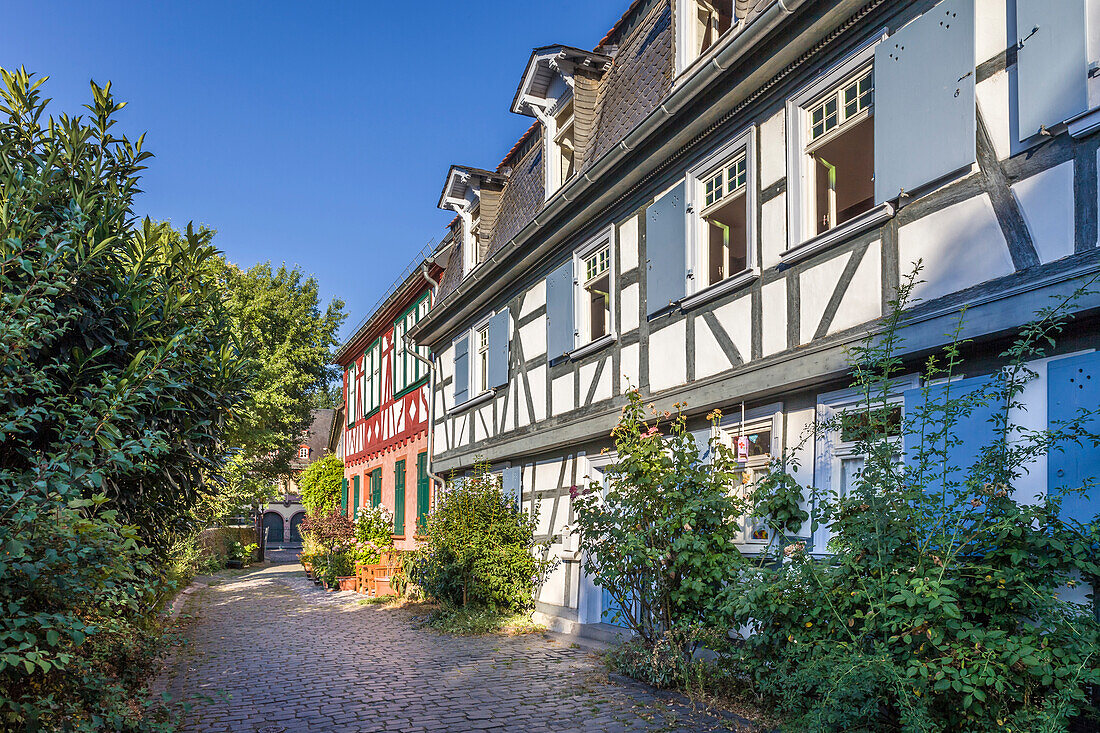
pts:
[270, 652]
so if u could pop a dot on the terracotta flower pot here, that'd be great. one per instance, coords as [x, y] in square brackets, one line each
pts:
[348, 582]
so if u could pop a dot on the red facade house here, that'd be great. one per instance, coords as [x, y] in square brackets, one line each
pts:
[386, 391]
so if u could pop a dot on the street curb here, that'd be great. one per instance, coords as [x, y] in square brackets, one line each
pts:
[177, 603]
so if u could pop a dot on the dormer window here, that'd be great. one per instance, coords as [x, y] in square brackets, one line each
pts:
[549, 91]
[303, 451]
[700, 25]
[564, 148]
[463, 193]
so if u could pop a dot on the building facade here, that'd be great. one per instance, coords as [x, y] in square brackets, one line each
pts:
[283, 517]
[385, 440]
[720, 199]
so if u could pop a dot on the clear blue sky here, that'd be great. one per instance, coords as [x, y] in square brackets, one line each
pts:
[312, 133]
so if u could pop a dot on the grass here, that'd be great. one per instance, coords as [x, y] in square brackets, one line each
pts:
[470, 621]
[374, 600]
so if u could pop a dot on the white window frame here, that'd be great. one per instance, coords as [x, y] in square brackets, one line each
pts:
[351, 403]
[474, 390]
[802, 236]
[551, 163]
[831, 457]
[686, 42]
[698, 290]
[581, 314]
[767, 417]
[372, 378]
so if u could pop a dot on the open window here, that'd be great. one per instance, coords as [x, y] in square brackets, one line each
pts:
[592, 295]
[564, 146]
[721, 201]
[597, 292]
[700, 24]
[840, 152]
[725, 218]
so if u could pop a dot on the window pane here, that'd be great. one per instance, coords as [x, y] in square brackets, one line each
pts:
[714, 189]
[599, 306]
[735, 175]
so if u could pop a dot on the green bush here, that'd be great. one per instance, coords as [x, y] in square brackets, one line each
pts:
[117, 376]
[658, 536]
[938, 607]
[480, 548]
[320, 485]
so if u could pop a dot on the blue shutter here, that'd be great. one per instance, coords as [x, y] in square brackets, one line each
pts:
[1051, 62]
[973, 432]
[512, 486]
[498, 349]
[925, 119]
[462, 370]
[666, 251]
[560, 329]
[1073, 384]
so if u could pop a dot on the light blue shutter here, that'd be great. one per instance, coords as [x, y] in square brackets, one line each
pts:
[498, 349]
[1051, 62]
[462, 370]
[511, 484]
[666, 251]
[969, 433]
[559, 311]
[1073, 384]
[925, 120]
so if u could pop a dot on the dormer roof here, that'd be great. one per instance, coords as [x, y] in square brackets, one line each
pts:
[462, 183]
[546, 63]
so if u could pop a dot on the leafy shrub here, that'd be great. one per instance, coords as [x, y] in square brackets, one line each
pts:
[480, 548]
[242, 553]
[661, 536]
[335, 565]
[117, 375]
[939, 605]
[320, 485]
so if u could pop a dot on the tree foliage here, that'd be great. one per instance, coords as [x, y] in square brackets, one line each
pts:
[118, 378]
[320, 485]
[278, 318]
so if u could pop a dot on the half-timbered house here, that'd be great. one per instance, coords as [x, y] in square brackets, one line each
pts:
[386, 386]
[720, 198]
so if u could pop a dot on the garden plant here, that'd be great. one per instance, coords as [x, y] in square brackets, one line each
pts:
[945, 598]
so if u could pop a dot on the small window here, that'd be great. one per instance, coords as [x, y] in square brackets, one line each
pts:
[372, 378]
[482, 371]
[712, 19]
[597, 292]
[841, 152]
[725, 218]
[475, 242]
[752, 446]
[699, 27]
[564, 148]
[303, 451]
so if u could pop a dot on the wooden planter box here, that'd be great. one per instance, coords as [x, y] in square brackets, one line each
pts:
[348, 582]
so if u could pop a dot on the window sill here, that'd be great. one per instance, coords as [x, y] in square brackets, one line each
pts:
[591, 347]
[1084, 124]
[719, 289]
[861, 223]
[473, 402]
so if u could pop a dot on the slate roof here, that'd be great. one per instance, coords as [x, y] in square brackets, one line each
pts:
[639, 77]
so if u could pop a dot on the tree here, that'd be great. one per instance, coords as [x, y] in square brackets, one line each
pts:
[119, 375]
[278, 319]
[320, 485]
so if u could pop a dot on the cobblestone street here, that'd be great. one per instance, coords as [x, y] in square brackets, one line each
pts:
[270, 652]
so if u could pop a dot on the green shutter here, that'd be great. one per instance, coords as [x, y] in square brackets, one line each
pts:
[376, 487]
[344, 495]
[355, 496]
[399, 498]
[423, 493]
